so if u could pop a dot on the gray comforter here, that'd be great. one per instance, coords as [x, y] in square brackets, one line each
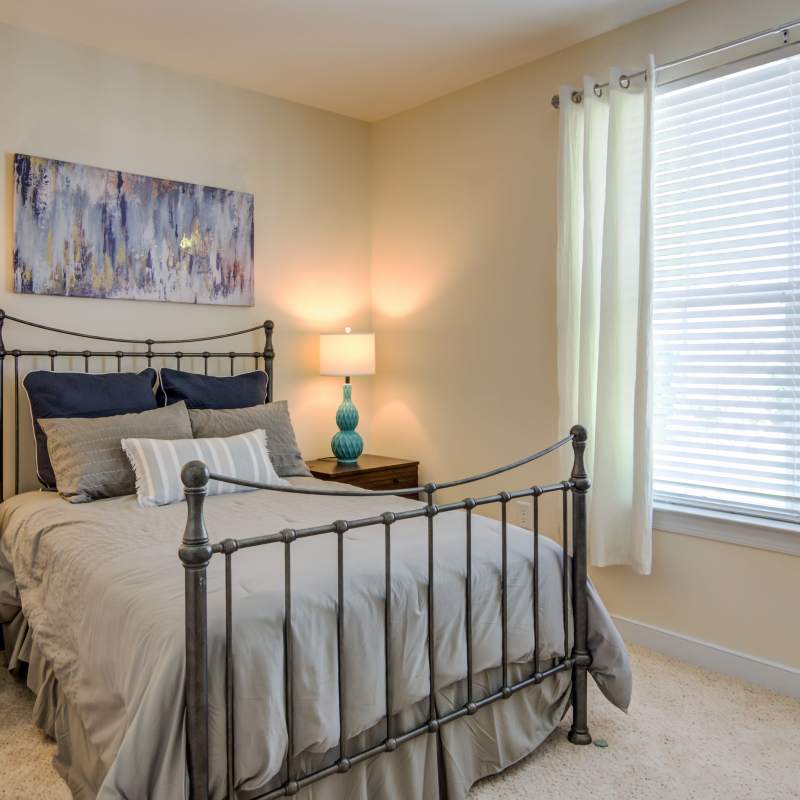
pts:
[101, 587]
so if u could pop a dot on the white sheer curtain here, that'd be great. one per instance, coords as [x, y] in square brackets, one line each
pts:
[605, 268]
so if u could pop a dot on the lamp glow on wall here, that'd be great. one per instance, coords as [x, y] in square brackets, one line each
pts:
[347, 354]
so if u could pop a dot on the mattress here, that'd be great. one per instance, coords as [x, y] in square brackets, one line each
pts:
[101, 589]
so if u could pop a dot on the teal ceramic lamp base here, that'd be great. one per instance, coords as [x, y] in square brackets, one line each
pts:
[347, 445]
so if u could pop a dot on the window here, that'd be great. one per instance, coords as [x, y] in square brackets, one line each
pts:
[727, 293]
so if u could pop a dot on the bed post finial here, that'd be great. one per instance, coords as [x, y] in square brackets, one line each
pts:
[195, 553]
[579, 732]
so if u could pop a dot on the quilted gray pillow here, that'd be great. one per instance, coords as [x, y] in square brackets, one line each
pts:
[87, 456]
[272, 417]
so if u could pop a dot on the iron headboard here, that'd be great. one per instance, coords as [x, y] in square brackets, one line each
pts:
[148, 354]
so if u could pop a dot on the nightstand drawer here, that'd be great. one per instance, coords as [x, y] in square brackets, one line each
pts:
[398, 478]
[377, 473]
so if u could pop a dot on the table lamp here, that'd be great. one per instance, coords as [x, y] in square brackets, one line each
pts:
[347, 354]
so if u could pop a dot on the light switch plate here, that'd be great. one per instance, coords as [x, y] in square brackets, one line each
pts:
[524, 513]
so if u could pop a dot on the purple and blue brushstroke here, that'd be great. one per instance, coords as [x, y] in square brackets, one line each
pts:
[89, 232]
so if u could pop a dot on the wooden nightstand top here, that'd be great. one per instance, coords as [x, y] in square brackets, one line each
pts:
[330, 469]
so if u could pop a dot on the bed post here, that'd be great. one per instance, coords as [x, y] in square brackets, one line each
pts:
[195, 553]
[269, 356]
[579, 733]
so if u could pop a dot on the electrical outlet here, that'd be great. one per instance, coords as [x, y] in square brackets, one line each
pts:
[525, 513]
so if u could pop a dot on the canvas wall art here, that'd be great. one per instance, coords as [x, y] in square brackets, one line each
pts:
[87, 232]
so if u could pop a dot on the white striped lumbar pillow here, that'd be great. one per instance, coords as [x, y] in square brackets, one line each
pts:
[157, 464]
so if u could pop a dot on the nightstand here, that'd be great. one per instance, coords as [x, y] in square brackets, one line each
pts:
[370, 472]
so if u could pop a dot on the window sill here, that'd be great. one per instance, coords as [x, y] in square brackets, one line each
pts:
[763, 534]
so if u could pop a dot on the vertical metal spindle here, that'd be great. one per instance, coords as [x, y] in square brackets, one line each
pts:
[86, 356]
[178, 357]
[430, 489]
[565, 571]
[256, 356]
[205, 362]
[504, 498]
[341, 528]
[16, 354]
[470, 504]
[119, 360]
[288, 537]
[229, 728]
[52, 354]
[387, 621]
[536, 582]
[232, 357]
[149, 354]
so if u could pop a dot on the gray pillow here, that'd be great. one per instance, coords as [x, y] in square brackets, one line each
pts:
[87, 456]
[272, 417]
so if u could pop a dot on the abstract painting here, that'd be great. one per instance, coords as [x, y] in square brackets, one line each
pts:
[87, 232]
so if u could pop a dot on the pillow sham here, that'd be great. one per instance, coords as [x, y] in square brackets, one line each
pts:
[79, 394]
[157, 464]
[272, 417]
[86, 454]
[210, 391]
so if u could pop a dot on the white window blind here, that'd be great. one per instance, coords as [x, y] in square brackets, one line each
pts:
[727, 292]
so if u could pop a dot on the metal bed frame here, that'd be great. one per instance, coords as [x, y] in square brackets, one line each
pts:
[196, 552]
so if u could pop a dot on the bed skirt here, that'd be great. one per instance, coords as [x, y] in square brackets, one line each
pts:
[76, 759]
[435, 767]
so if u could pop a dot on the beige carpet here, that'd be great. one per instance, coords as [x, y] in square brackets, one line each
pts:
[689, 734]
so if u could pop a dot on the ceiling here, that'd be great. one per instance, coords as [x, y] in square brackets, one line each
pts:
[364, 58]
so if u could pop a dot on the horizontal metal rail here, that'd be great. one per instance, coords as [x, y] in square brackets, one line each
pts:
[431, 726]
[134, 354]
[428, 488]
[100, 338]
[387, 518]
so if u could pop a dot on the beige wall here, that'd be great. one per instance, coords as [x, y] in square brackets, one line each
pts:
[308, 170]
[463, 282]
[463, 264]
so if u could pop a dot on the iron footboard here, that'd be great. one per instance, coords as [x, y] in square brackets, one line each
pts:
[196, 553]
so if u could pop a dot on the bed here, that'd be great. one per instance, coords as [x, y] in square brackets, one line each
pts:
[313, 641]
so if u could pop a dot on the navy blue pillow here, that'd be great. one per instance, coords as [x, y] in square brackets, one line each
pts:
[209, 391]
[81, 394]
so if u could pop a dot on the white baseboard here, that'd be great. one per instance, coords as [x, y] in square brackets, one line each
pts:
[780, 678]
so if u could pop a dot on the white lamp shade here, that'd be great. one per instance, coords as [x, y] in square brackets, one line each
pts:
[347, 354]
